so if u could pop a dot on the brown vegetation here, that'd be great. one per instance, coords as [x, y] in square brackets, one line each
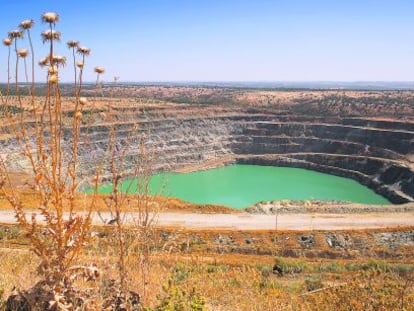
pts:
[183, 267]
[46, 208]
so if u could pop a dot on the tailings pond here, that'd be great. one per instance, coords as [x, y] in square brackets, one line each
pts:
[239, 186]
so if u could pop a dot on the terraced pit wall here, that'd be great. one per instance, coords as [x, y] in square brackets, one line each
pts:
[378, 153]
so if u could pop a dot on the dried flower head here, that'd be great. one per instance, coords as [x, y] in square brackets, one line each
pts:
[49, 35]
[14, 34]
[26, 24]
[44, 61]
[99, 70]
[83, 50]
[50, 17]
[53, 79]
[79, 64]
[78, 115]
[23, 53]
[59, 60]
[83, 101]
[72, 44]
[7, 41]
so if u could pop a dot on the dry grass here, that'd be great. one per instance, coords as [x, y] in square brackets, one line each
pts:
[30, 200]
[232, 280]
[242, 282]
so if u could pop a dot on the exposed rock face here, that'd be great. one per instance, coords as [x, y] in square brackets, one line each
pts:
[307, 240]
[376, 152]
[395, 239]
[374, 156]
[341, 241]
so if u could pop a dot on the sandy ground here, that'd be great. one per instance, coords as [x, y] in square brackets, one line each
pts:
[246, 221]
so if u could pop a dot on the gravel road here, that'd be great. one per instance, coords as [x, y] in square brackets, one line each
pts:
[246, 221]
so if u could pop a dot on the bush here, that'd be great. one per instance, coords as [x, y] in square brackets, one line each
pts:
[284, 266]
[313, 283]
[331, 267]
[177, 299]
[9, 233]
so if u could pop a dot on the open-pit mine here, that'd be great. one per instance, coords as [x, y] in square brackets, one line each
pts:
[365, 136]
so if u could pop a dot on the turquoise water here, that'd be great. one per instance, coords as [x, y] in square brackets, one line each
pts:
[240, 186]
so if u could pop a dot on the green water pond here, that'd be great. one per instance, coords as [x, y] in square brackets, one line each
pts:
[239, 186]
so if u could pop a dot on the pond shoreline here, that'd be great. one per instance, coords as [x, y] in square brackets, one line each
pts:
[243, 185]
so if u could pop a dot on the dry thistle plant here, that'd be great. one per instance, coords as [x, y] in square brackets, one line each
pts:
[133, 212]
[49, 141]
[73, 45]
[144, 215]
[99, 71]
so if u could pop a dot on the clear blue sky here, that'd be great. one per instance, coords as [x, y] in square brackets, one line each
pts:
[229, 40]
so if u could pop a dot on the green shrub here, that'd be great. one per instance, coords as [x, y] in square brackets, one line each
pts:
[313, 283]
[331, 267]
[216, 268]
[289, 266]
[180, 273]
[174, 298]
[265, 270]
[9, 233]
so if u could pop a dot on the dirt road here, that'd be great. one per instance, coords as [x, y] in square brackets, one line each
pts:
[289, 221]
[246, 221]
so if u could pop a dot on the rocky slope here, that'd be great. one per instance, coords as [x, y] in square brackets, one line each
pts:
[364, 144]
[374, 152]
